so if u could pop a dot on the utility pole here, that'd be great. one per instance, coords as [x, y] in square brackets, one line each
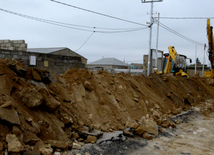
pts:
[195, 59]
[204, 60]
[150, 34]
[156, 52]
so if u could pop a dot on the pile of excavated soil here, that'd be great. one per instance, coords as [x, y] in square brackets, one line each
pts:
[42, 112]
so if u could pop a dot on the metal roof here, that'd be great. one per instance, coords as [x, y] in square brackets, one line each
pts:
[45, 50]
[109, 61]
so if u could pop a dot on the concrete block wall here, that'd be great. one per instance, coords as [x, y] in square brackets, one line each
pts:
[68, 52]
[58, 64]
[18, 45]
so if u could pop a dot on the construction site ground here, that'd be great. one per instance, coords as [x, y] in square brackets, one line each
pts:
[193, 136]
[103, 113]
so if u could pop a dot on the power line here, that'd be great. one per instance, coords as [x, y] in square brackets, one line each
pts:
[180, 35]
[61, 23]
[71, 26]
[186, 17]
[85, 42]
[98, 13]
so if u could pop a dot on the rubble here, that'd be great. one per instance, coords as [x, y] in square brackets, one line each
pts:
[48, 113]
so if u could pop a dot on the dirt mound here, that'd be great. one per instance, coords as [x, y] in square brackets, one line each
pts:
[46, 112]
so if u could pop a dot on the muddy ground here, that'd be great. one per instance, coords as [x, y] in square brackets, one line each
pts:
[194, 136]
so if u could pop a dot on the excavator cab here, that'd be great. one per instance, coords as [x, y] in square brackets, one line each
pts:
[175, 63]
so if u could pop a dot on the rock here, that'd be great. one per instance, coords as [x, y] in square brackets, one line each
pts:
[151, 127]
[76, 146]
[14, 145]
[136, 99]
[158, 121]
[44, 149]
[31, 153]
[132, 124]
[174, 111]
[87, 153]
[156, 115]
[165, 122]
[128, 133]
[75, 135]
[160, 130]
[173, 125]
[31, 97]
[85, 133]
[36, 75]
[88, 86]
[157, 106]
[67, 120]
[30, 138]
[65, 153]
[147, 136]
[140, 130]
[59, 144]
[177, 121]
[50, 103]
[17, 132]
[10, 116]
[1, 147]
[57, 153]
[6, 85]
[147, 116]
[142, 120]
[92, 139]
[7, 104]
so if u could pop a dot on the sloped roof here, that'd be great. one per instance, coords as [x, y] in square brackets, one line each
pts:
[109, 61]
[51, 50]
[46, 50]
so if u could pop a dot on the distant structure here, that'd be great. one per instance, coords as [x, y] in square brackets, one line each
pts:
[58, 60]
[108, 63]
[64, 51]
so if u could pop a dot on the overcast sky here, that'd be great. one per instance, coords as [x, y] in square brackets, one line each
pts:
[128, 46]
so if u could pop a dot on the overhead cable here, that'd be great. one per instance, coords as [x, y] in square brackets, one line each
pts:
[98, 13]
[180, 35]
[84, 42]
[186, 17]
[73, 26]
[36, 18]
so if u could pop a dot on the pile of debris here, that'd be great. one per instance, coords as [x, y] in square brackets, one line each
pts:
[44, 113]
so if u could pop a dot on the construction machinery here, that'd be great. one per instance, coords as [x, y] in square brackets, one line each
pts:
[175, 63]
[210, 73]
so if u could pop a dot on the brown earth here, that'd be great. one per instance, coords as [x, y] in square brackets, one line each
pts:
[52, 107]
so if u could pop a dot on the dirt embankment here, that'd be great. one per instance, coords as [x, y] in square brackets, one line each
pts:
[43, 112]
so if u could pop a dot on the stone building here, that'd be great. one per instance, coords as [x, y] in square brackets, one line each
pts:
[108, 63]
[57, 60]
[59, 51]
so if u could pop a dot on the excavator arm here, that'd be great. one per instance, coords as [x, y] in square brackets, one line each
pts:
[210, 49]
[210, 43]
[172, 56]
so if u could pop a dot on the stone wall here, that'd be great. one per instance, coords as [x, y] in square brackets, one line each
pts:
[68, 52]
[58, 64]
[18, 45]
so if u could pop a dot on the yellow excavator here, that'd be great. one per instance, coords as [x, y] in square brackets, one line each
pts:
[210, 73]
[175, 63]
